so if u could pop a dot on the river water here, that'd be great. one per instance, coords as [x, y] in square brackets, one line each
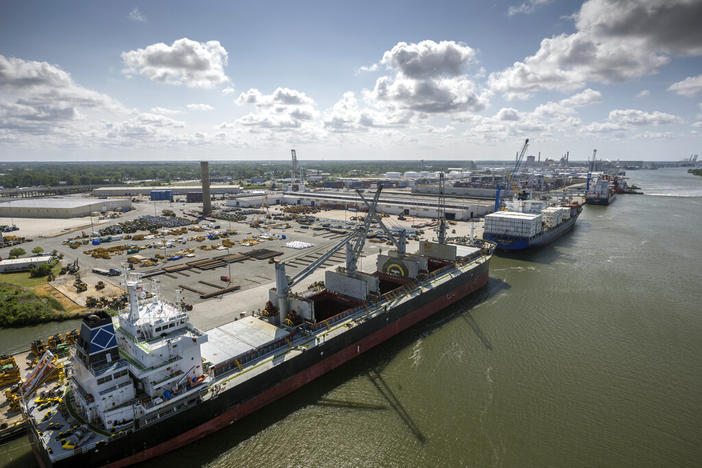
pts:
[583, 353]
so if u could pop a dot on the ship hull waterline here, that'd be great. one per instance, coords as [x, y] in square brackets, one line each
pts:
[228, 415]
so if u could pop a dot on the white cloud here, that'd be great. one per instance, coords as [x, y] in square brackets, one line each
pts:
[347, 116]
[527, 7]
[228, 90]
[616, 40]
[199, 107]
[643, 93]
[508, 114]
[670, 26]
[185, 62]
[690, 86]
[45, 99]
[165, 111]
[369, 68]
[428, 59]
[430, 78]
[137, 16]
[637, 117]
[283, 109]
[583, 98]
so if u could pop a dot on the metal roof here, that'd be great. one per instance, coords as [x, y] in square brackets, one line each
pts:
[22, 261]
[58, 202]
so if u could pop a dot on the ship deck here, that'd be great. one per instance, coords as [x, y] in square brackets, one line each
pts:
[238, 337]
[328, 329]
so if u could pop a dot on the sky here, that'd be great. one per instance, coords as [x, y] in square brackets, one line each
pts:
[366, 80]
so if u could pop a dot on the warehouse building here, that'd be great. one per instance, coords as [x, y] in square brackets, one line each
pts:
[70, 207]
[409, 205]
[133, 191]
[22, 264]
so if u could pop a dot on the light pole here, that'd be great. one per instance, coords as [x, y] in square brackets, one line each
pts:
[229, 267]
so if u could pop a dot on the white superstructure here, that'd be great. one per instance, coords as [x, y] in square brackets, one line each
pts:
[140, 368]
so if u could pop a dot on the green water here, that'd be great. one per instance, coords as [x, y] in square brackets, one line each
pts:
[583, 353]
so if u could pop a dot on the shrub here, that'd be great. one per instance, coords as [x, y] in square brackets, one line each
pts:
[37, 271]
[17, 252]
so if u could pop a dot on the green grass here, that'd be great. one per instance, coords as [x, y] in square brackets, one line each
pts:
[22, 278]
[21, 307]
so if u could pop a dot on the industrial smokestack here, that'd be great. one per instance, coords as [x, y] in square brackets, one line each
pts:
[205, 178]
[539, 156]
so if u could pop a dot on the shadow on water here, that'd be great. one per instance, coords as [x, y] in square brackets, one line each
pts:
[387, 393]
[468, 317]
[348, 404]
[372, 363]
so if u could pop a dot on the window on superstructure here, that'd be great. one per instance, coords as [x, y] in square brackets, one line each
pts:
[102, 380]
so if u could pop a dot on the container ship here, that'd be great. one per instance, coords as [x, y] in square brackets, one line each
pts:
[147, 381]
[602, 192]
[529, 223]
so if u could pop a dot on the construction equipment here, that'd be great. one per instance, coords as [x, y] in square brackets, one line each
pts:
[80, 285]
[515, 171]
[100, 285]
[9, 371]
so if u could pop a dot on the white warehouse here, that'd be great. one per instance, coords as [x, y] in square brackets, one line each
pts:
[67, 207]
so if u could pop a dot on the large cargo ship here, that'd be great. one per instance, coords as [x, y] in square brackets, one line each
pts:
[147, 381]
[529, 224]
[602, 192]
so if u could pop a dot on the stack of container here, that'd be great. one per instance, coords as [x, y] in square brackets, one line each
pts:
[552, 216]
[159, 195]
[513, 224]
[565, 210]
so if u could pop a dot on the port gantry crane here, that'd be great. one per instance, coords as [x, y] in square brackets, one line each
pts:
[589, 172]
[515, 171]
[441, 235]
[283, 283]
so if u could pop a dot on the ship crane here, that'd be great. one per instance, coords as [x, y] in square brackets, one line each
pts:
[442, 211]
[400, 245]
[283, 283]
[589, 172]
[515, 171]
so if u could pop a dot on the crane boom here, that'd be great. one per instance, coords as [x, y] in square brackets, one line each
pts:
[398, 244]
[355, 251]
[589, 172]
[515, 171]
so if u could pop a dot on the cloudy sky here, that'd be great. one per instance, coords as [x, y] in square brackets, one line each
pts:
[104, 80]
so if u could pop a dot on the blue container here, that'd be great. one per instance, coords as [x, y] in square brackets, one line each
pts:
[283, 236]
[167, 395]
[96, 241]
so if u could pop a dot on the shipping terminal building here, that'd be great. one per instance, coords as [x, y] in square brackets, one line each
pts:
[69, 207]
